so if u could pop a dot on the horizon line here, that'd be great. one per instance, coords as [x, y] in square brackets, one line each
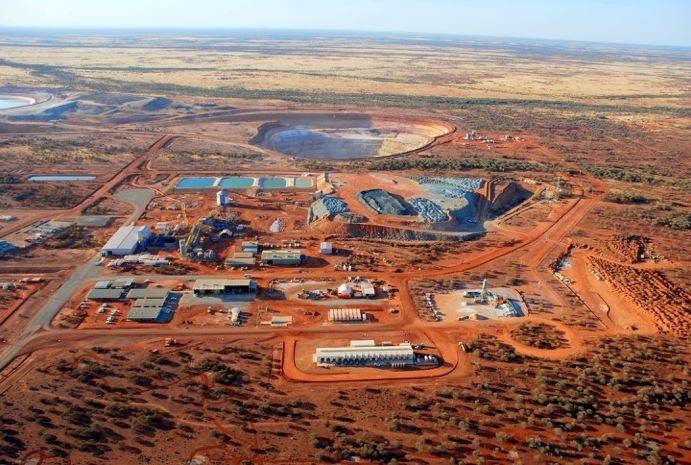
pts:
[410, 34]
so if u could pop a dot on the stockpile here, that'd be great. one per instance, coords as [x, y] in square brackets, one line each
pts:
[428, 210]
[326, 207]
[382, 202]
[452, 184]
[668, 307]
[454, 195]
[350, 218]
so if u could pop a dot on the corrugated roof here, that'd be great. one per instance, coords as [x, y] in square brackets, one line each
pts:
[243, 255]
[212, 284]
[153, 293]
[122, 283]
[127, 237]
[105, 294]
[149, 303]
[281, 254]
[240, 261]
[144, 313]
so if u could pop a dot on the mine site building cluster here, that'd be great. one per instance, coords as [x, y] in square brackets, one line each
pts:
[215, 287]
[366, 353]
[148, 304]
[126, 240]
[357, 288]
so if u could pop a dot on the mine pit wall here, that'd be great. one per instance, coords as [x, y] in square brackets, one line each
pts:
[507, 198]
[470, 211]
[431, 130]
[264, 130]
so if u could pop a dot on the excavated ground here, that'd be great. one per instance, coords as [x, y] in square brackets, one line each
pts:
[346, 136]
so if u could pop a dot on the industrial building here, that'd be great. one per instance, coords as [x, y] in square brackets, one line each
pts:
[366, 353]
[241, 259]
[126, 240]
[106, 294]
[250, 246]
[215, 287]
[326, 248]
[153, 293]
[345, 315]
[147, 309]
[281, 257]
[358, 288]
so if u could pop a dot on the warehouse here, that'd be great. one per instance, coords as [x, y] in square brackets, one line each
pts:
[153, 293]
[366, 353]
[206, 287]
[106, 294]
[281, 257]
[241, 259]
[146, 310]
[250, 247]
[126, 240]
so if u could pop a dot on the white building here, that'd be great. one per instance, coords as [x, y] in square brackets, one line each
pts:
[326, 248]
[126, 240]
[368, 354]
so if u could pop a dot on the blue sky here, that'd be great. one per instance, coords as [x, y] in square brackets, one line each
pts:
[661, 22]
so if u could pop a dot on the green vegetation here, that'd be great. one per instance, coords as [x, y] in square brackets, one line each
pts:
[539, 335]
[679, 220]
[45, 196]
[8, 179]
[457, 164]
[187, 157]
[72, 237]
[626, 197]
[68, 78]
[632, 174]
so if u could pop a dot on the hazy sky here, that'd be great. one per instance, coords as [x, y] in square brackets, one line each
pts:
[628, 21]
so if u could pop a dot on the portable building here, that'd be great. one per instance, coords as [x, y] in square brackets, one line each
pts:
[281, 257]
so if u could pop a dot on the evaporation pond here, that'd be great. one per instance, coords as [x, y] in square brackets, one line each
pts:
[303, 182]
[196, 183]
[61, 178]
[237, 182]
[272, 182]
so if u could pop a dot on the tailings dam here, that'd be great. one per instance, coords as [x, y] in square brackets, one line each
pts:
[346, 136]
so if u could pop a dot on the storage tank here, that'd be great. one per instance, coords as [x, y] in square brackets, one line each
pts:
[345, 291]
[235, 314]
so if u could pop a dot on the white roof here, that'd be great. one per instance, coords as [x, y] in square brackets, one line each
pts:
[403, 350]
[127, 238]
[345, 289]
